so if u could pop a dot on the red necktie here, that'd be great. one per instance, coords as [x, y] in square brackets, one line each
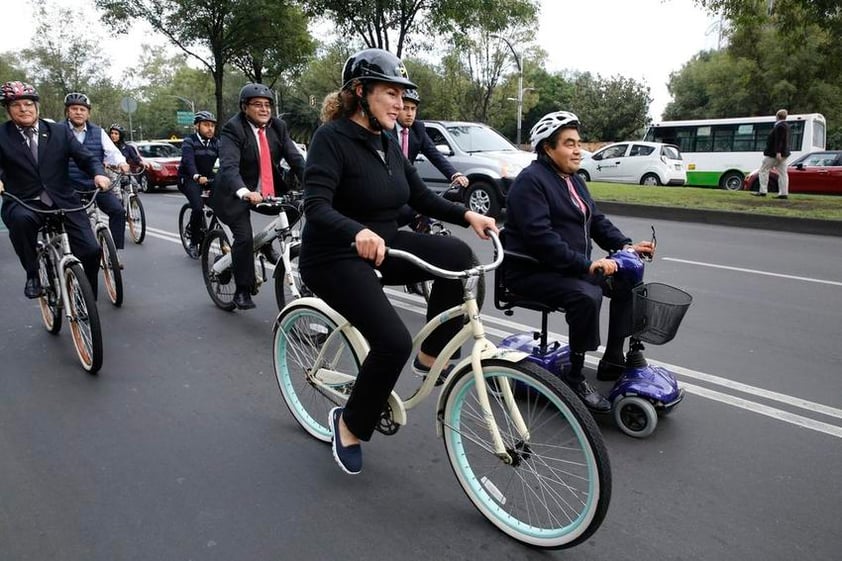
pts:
[405, 141]
[575, 196]
[267, 184]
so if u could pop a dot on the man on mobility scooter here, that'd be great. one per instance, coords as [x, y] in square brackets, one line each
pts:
[553, 220]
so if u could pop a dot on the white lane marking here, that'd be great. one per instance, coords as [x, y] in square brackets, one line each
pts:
[714, 395]
[792, 418]
[753, 271]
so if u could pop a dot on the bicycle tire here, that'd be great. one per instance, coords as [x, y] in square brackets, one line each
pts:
[136, 219]
[50, 303]
[112, 276]
[301, 332]
[556, 492]
[220, 286]
[280, 273]
[184, 217]
[85, 326]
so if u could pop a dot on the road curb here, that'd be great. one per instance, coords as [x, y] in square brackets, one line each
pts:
[724, 218]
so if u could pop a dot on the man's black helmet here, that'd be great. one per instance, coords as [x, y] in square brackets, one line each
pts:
[250, 91]
[411, 94]
[203, 116]
[76, 98]
[375, 65]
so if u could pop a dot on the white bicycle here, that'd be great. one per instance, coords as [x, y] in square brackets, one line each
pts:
[524, 449]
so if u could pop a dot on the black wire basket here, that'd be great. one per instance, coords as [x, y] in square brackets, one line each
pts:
[657, 311]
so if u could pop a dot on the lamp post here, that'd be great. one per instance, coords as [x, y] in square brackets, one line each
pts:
[519, 83]
[185, 100]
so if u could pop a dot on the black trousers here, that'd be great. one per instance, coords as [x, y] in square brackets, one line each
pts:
[193, 192]
[23, 227]
[350, 286]
[111, 205]
[581, 298]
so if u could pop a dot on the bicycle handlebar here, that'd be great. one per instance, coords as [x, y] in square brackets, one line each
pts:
[444, 273]
[56, 211]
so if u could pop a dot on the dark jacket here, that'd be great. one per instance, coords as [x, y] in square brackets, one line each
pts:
[778, 140]
[348, 187]
[543, 221]
[93, 142]
[239, 163]
[196, 158]
[420, 142]
[56, 146]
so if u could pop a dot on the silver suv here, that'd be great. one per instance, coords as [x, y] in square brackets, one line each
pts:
[485, 156]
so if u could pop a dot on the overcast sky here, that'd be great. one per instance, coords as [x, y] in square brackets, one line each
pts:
[640, 39]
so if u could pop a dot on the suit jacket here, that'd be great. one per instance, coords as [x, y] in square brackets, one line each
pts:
[419, 142]
[25, 179]
[239, 163]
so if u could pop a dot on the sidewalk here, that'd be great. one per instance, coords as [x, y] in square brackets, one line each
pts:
[723, 218]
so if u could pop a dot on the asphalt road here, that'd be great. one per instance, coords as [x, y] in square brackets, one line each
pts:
[181, 448]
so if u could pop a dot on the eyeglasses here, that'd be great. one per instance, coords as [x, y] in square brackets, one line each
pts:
[259, 105]
[22, 104]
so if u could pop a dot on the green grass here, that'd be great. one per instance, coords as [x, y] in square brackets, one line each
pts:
[798, 206]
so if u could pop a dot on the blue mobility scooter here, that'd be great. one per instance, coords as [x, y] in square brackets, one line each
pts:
[643, 391]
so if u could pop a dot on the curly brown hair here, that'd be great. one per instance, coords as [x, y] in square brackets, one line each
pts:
[341, 103]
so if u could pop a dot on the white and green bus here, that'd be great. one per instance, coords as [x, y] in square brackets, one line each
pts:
[721, 152]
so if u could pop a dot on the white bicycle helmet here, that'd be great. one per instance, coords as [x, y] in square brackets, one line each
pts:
[550, 123]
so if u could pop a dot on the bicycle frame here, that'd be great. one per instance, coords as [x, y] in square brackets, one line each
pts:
[279, 229]
[482, 348]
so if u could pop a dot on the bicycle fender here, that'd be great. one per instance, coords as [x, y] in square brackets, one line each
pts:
[508, 355]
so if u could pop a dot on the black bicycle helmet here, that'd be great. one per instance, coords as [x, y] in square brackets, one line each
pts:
[77, 98]
[203, 116]
[13, 91]
[250, 91]
[375, 65]
[411, 94]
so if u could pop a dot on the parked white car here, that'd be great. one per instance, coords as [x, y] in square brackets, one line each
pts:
[646, 163]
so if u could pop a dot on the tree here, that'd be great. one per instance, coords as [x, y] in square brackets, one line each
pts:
[611, 109]
[210, 31]
[390, 25]
[61, 61]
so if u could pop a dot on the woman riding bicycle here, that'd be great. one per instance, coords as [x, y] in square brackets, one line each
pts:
[355, 182]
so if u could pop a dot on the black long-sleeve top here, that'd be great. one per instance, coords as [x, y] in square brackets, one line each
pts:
[543, 221]
[778, 140]
[355, 179]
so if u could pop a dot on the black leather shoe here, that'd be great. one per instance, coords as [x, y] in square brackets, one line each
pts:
[33, 288]
[608, 371]
[592, 399]
[193, 251]
[243, 301]
[270, 253]
[782, 197]
[758, 194]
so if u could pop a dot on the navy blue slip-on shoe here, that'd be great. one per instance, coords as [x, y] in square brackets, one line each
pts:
[422, 371]
[349, 458]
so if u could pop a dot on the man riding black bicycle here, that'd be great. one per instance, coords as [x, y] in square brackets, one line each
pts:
[199, 152]
[251, 146]
[34, 154]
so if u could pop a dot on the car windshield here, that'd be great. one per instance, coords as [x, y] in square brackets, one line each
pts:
[473, 138]
[158, 151]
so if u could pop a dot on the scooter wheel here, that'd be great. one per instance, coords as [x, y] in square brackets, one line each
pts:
[635, 416]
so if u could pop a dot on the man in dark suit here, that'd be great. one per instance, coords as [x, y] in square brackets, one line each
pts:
[412, 137]
[251, 146]
[199, 153]
[34, 156]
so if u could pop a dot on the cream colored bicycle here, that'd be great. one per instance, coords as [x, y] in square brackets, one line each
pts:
[523, 447]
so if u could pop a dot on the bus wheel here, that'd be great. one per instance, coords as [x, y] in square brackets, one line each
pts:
[731, 181]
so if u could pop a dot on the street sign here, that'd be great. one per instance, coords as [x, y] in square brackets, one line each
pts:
[184, 117]
[128, 105]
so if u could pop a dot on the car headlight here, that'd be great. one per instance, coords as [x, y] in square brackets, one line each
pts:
[508, 169]
[156, 166]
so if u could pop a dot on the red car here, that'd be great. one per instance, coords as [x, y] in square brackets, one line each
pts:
[162, 161]
[817, 172]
